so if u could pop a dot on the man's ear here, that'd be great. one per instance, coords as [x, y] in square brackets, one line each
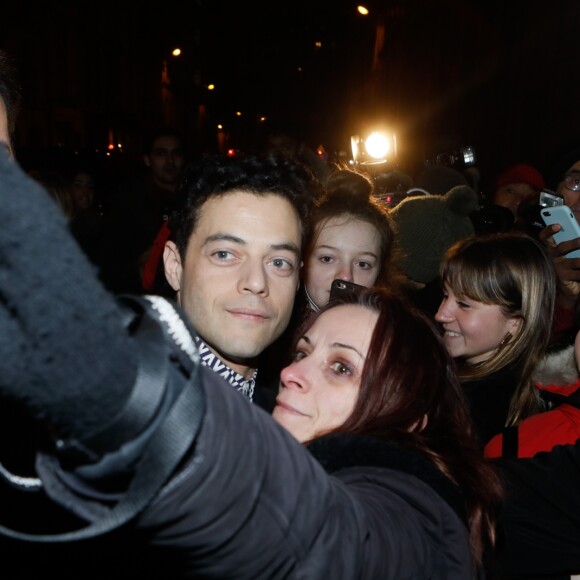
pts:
[146, 160]
[172, 265]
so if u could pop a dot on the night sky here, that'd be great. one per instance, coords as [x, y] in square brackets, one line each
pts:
[498, 75]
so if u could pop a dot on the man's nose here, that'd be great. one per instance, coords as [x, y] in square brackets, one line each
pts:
[254, 278]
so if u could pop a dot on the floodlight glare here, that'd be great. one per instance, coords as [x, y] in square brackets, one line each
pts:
[376, 148]
[377, 145]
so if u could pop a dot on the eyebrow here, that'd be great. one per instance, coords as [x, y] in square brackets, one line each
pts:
[306, 339]
[223, 237]
[327, 247]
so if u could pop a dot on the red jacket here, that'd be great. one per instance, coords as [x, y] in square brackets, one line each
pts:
[560, 426]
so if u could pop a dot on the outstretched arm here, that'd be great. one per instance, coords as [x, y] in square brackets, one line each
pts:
[63, 350]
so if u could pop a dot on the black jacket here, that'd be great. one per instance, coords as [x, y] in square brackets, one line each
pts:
[489, 402]
[251, 502]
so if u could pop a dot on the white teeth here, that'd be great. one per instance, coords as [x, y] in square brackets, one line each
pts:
[452, 333]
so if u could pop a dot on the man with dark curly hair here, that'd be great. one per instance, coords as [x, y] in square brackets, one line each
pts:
[235, 254]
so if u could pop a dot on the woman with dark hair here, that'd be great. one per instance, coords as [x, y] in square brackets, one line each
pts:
[168, 472]
[496, 314]
[402, 399]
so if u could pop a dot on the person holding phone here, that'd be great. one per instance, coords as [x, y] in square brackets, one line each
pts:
[567, 179]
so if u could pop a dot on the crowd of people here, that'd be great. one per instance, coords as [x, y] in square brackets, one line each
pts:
[188, 396]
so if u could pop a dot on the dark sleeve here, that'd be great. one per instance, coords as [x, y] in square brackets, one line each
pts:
[63, 350]
[251, 502]
[540, 524]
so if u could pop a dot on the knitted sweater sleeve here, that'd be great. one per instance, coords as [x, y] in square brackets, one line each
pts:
[63, 351]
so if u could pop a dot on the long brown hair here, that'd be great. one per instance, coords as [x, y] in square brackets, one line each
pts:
[410, 395]
[515, 272]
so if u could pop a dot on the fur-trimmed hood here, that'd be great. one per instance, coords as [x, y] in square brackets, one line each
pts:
[557, 368]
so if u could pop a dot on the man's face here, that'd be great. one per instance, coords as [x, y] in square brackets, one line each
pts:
[571, 197]
[165, 161]
[239, 278]
[514, 196]
[4, 133]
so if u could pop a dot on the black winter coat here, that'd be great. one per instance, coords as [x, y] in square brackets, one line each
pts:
[249, 501]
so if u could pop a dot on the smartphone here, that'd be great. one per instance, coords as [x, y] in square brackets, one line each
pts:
[562, 214]
[341, 287]
[549, 198]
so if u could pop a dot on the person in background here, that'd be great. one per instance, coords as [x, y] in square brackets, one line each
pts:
[540, 525]
[565, 180]
[352, 239]
[280, 141]
[388, 482]
[496, 316]
[517, 188]
[143, 204]
[58, 186]
[427, 226]
[89, 222]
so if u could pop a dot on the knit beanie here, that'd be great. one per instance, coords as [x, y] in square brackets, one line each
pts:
[439, 179]
[430, 224]
[521, 173]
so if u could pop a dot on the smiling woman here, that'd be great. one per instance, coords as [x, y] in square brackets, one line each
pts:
[496, 314]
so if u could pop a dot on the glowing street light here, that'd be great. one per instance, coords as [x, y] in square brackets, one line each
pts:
[176, 51]
[362, 10]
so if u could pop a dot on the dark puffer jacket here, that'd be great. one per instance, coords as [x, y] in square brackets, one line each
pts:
[250, 502]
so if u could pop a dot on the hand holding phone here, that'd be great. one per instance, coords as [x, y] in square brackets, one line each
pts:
[569, 227]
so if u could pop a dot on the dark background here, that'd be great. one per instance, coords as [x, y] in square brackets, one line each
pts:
[502, 76]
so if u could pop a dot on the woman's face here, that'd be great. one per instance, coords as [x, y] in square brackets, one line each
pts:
[473, 330]
[83, 189]
[319, 389]
[347, 249]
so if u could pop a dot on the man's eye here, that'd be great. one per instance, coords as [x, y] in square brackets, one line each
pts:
[282, 264]
[223, 255]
